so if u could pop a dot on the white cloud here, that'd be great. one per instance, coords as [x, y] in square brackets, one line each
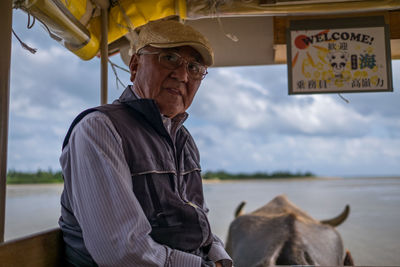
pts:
[242, 129]
[323, 115]
[240, 151]
[231, 99]
[228, 98]
[240, 81]
[47, 90]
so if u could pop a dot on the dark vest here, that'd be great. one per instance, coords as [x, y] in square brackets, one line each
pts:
[165, 175]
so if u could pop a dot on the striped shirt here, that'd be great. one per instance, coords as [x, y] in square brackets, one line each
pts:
[114, 226]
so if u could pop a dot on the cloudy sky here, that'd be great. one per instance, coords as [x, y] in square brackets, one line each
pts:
[242, 119]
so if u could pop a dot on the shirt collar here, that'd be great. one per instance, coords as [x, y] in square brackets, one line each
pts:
[171, 125]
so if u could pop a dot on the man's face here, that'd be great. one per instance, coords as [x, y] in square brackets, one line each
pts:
[172, 90]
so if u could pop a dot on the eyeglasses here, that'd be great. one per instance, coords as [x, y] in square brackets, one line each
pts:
[172, 61]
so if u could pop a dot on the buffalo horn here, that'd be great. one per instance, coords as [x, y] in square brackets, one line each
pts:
[239, 210]
[339, 219]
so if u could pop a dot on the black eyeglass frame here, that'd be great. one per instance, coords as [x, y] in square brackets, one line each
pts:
[159, 53]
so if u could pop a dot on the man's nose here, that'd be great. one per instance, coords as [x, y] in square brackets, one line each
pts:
[181, 73]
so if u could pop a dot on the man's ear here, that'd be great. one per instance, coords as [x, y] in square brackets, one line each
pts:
[133, 65]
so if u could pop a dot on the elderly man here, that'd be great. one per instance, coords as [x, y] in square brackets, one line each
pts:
[133, 191]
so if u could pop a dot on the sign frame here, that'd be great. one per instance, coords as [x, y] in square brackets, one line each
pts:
[342, 23]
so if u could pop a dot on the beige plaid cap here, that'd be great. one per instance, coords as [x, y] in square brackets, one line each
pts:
[171, 33]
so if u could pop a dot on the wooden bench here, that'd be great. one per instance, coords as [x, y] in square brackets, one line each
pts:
[44, 249]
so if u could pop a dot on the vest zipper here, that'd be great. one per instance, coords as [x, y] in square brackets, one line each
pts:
[179, 187]
[209, 237]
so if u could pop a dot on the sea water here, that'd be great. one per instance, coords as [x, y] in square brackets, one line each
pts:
[371, 232]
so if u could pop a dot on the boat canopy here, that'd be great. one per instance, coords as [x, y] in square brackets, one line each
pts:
[252, 30]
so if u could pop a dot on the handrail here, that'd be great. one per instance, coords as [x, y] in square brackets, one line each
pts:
[44, 249]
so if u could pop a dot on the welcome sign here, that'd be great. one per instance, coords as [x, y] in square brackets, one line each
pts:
[339, 55]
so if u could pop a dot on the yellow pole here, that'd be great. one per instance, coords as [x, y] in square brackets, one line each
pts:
[104, 55]
[5, 56]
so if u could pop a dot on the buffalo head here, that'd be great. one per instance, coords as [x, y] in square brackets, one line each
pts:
[279, 233]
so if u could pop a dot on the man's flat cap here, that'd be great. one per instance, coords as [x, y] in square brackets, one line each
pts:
[171, 33]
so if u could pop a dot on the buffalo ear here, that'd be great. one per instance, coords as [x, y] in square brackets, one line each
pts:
[348, 259]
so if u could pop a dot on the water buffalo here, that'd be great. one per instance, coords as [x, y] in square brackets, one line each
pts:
[279, 233]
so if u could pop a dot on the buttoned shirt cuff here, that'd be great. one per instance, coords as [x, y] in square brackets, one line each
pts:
[180, 258]
[218, 253]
